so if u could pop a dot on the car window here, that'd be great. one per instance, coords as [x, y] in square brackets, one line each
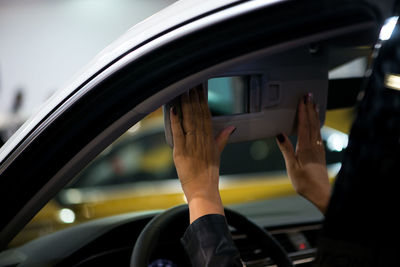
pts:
[136, 158]
[137, 173]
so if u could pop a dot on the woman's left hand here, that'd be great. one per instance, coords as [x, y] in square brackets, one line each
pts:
[306, 165]
[197, 154]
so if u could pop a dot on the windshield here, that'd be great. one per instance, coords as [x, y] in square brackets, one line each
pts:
[137, 173]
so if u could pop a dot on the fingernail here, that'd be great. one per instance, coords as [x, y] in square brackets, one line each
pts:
[233, 131]
[280, 138]
[174, 110]
[309, 97]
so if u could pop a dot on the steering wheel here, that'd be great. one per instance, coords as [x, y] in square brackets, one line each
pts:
[170, 218]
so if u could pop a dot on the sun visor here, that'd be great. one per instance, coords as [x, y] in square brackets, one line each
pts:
[260, 98]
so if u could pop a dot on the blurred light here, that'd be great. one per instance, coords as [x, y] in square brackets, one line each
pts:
[388, 28]
[212, 96]
[337, 142]
[73, 196]
[135, 127]
[351, 69]
[259, 150]
[66, 216]
[392, 81]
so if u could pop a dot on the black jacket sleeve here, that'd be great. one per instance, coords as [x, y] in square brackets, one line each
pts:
[208, 243]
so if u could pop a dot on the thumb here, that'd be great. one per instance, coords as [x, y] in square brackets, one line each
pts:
[223, 137]
[287, 150]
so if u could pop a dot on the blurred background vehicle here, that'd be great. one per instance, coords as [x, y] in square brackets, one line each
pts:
[137, 173]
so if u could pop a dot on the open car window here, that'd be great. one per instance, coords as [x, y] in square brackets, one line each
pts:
[137, 173]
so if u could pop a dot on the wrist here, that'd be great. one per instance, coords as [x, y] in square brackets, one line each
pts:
[202, 187]
[320, 199]
[203, 203]
[202, 195]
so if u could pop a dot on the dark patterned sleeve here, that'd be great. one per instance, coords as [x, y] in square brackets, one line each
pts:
[208, 243]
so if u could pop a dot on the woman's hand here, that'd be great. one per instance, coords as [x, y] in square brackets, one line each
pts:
[197, 154]
[306, 166]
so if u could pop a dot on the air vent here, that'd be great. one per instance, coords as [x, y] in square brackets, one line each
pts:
[298, 241]
[285, 242]
[249, 250]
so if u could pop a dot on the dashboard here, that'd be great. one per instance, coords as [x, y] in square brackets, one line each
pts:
[110, 241]
[299, 241]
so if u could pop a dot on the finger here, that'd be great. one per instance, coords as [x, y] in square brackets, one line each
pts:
[223, 137]
[202, 96]
[316, 133]
[177, 132]
[287, 150]
[196, 109]
[311, 117]
[303, 132]
[187, 120]
[205, 110]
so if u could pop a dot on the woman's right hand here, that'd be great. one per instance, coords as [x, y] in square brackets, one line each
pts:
[197, 153]
[306, 166]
